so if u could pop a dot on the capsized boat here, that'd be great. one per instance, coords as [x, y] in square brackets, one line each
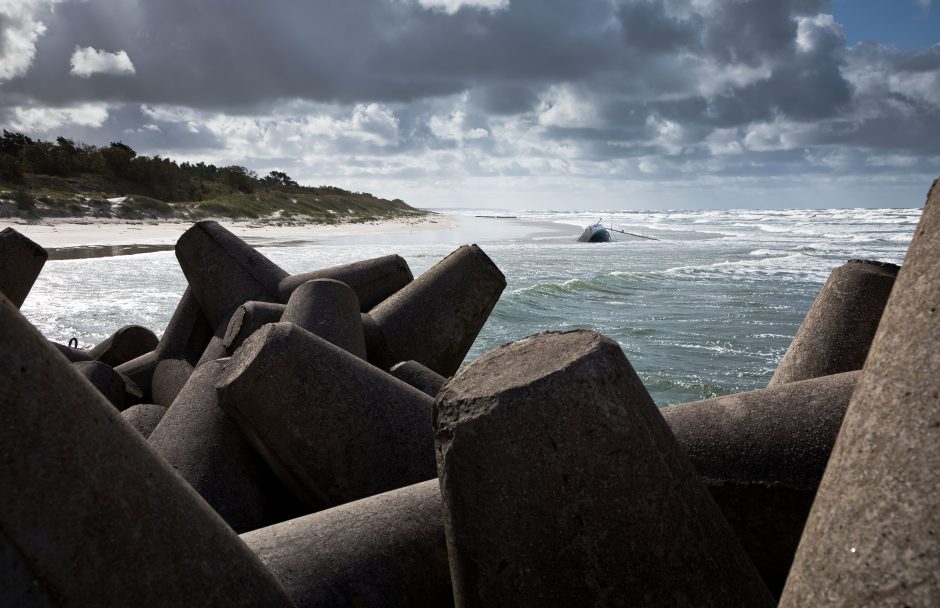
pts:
[598, 233]
[595, 233]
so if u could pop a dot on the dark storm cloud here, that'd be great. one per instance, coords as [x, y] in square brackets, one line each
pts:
[714, 84]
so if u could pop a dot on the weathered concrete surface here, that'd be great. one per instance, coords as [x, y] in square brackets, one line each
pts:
[71, 353]
[247, 319]
[373, 280]
[21, 260]
[329, 309]
[144, 417]
[384, 551]
[414, 374]
[563, 486]
[206, 448]
[436, 318]
[169, 377]
[120, 390]
[223, 271]
[188, 332]
[129, 342]
[216, 347]
[838, 329]
[762, 454]
[186, 337]
[91, 515]
[873, 535]
[140, 371]
[333, 427]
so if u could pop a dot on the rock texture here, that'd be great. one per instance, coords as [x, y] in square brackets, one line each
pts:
[387, 550]
[873, 535]
[333, 427]
[837, 332]
[97, 518]
[373, 280]
[436, 318]
[21, 260]
[563, 486]
[762, 454]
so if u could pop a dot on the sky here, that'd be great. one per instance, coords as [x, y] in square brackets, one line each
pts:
[509, 104]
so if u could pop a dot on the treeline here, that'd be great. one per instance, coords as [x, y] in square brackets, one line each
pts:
[162, 178]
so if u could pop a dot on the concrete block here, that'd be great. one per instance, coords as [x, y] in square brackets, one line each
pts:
[118, 389]
[207, 449]
[21, 260]
[247, 319]
[435, 319]
[873, 535]
[129, 342]
[186, 338]
[223, 271]
[762, 454]
[373, 280]
[329, 309]
[71, 353]
[216, 347]
[91, 515]
[837, 332]
[387, 550]
[414, 374]
[169, 377]
[140, 371]
[144, 417]
[563, 486]
[333, 427]
[188, 332]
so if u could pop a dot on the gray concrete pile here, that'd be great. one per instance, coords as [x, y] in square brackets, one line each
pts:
[307, 440]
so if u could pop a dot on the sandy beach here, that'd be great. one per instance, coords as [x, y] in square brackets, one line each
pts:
[69, 238]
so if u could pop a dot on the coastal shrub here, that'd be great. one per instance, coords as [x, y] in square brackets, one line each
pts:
[24, 200]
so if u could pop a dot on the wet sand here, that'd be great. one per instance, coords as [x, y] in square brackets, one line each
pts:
[69, 239]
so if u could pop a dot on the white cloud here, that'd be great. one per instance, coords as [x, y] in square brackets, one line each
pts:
[44, 120]
[453, 127]
[19, 31]
[87, 61]
[812, 31]
[452, 6]
[563, 107]
[724, 141]
[924, 4]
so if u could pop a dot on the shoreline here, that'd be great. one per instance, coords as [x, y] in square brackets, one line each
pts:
[73, 238]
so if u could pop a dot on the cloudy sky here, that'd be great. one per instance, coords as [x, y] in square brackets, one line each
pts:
[502, 103]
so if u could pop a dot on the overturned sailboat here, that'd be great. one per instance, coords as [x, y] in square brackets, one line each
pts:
[598, 233]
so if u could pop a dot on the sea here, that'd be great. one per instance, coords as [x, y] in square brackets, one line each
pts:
[706, 309]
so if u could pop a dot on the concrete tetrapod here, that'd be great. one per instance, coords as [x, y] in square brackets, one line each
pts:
[563, 486]
[206, 448]
[418, 376]
[838, 329]
[223, 271]
[169, 378]
[873, 535]
[387, 550]
[329, 309]
[333, 427]
[185, 338]
[248, 319]
[144, 417]
[129, 342]
[761, 454]
[436, 318]
[21, 260]
[118, 389]
[373, 280]
[91, 515]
